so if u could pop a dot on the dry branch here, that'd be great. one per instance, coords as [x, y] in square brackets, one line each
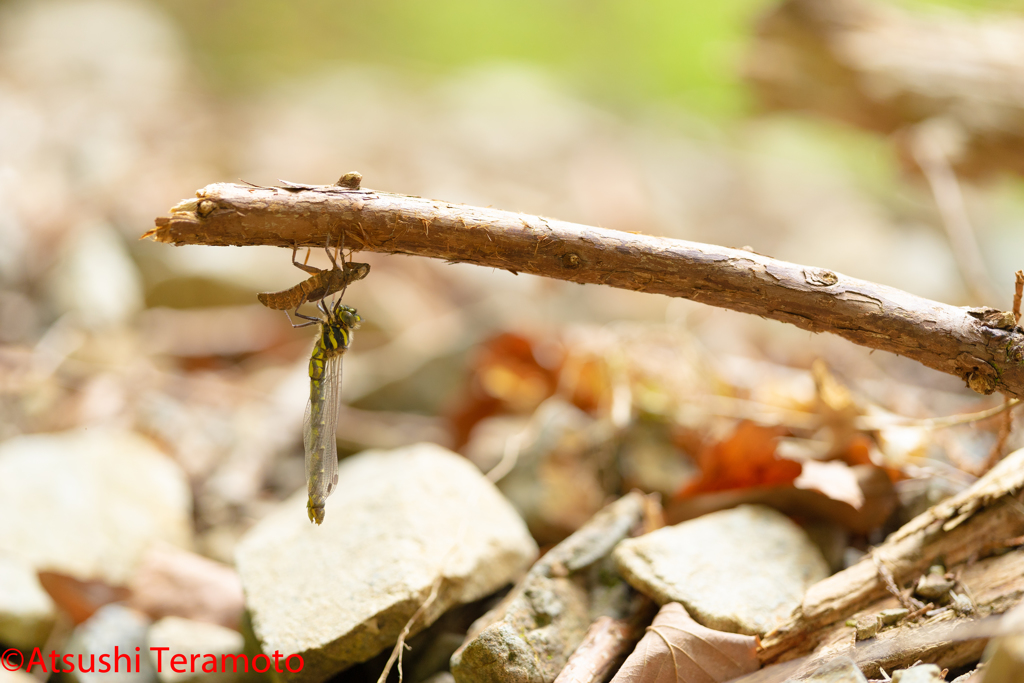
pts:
[981, 346]
[607, 644]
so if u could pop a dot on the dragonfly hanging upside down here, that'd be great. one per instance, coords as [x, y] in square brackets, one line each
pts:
[336, 326]
[318, 430]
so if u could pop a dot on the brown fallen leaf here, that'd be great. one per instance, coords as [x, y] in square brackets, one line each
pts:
[745, 459]
[506, 377]
[175, 582]
[676, 649]
[80, 599]
[874, 490]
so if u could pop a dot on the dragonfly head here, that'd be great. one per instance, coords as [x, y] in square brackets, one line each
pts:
[347, 316]
[356, 271]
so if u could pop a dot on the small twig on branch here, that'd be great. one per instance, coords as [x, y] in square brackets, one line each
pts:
[981, 346]
[1018, 292]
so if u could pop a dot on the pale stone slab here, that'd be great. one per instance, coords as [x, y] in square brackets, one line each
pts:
[742, 570]
[188, 637]
[340, 593]
[89, 503]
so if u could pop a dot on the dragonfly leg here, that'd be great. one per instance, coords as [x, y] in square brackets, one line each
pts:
[303, 266]
[334, 261]
[312, 320]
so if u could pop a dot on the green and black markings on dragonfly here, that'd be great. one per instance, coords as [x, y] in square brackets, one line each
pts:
[321, 421]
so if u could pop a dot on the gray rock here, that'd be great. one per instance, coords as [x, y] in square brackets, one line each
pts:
[529, 637]
[975, 675]
[888, 617]
[26, 611]
[867, 627]
[340, 593]
[119, 633]
[97, 279]
[187, 637]
[541, 628]
[934, 585]
[706, 564]
[839, 670]
[922, 673]
[89, 503]
[442, 677]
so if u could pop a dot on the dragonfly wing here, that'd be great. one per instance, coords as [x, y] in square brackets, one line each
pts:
[319, 437]
[333, 406]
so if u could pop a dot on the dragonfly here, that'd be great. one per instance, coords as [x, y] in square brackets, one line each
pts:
[321, 421]
[322, 283]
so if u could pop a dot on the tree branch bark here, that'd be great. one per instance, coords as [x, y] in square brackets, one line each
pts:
[981, 346]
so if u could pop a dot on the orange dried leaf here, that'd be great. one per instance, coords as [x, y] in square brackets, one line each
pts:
[745, 459]
[505, 377]
[676, 649]
[858, 451]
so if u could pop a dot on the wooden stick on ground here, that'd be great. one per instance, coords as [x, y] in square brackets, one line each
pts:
[981, 346]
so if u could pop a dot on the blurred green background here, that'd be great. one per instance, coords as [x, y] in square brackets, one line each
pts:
[619, 53]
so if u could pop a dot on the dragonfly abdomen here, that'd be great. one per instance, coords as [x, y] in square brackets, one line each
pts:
[318, 286]
[311, 289]
[322, 411]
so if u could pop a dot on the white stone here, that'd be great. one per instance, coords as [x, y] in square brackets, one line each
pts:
[742, 570]
[89, 503]
[340, 593]
[26, 611]
[111, 648]
[922, 673]
[188, 637]
[16, 676]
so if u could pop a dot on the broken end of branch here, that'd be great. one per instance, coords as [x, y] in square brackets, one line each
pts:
[182, 225]
[172, 229]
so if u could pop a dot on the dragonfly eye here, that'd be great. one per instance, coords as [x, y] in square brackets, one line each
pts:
[350, 318]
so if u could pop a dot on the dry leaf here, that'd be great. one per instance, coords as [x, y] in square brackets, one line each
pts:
[745, 459]
[506, 376]
[676, 649]
[80, 599]
[874, 489]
